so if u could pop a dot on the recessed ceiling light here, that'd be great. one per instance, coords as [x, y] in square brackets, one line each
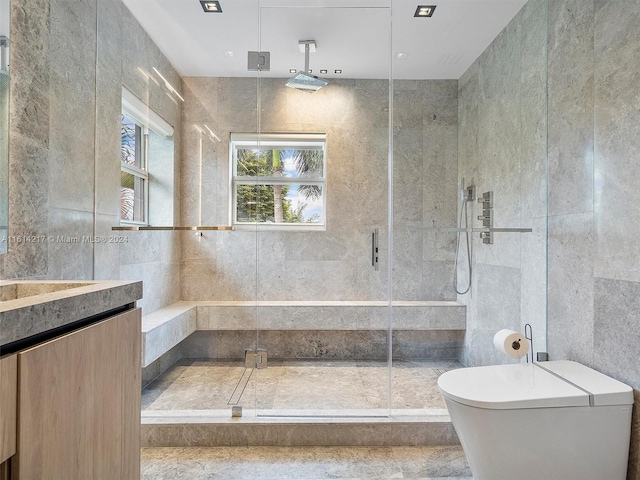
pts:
[228, 53]
[211, 6]
[401, 55]
[424, 10]
[338, 71]
[293, 70]
[323, 71]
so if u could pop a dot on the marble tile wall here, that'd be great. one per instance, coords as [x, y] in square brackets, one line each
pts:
[424, 187]
[594, 54]
[127, 56]
[326, 344]
[321, 317]
[296, 265]
[502, 148]
[69, 62]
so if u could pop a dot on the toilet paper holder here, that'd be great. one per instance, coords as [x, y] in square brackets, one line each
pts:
[540, 356]
[528, 334]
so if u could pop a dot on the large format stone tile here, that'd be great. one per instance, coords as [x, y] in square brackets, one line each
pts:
[571, 288]
[72, 76]
[617, 120]
[533, 281]
[438, 462]
[106, 247]
[497, 305]
[70, 246]
[108, 137]
[280, 463]
[28, 210]
[571, 101]
[616, 338]
[194, 385]
[297, 385]
[533, 110]
[30, 65]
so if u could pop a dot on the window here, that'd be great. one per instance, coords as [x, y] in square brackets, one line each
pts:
[136, 123]
[134, 177]
[278, 180]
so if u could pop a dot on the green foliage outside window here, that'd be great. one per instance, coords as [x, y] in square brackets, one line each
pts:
[257, 203]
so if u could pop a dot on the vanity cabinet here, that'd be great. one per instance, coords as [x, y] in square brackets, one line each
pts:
[8, 400]
[79, 410]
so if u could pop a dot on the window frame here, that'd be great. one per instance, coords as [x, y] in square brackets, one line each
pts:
[142, 115]
[282, 141]
[141, 172]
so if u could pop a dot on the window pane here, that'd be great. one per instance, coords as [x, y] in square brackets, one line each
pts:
[131, 145]
[132, 197]
[280, 204]
[293, 163]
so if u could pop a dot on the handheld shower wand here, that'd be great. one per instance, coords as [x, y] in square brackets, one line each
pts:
[467, 194]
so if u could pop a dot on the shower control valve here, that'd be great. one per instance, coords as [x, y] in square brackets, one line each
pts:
[486, 199]
[486, 218]
[487, 238]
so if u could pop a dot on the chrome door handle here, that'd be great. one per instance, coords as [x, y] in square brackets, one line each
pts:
[374, 249]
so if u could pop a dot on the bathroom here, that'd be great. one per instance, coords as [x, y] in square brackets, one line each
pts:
[544, 115]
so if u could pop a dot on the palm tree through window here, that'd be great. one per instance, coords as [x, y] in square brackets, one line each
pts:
[279, 180]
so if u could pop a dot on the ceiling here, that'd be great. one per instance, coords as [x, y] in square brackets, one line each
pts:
[363, 38]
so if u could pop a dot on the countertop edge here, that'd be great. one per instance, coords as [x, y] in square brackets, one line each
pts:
[54, 310]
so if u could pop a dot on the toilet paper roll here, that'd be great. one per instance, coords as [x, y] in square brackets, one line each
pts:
[512, 343]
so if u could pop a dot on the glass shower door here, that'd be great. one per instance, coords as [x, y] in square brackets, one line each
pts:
[322, 277]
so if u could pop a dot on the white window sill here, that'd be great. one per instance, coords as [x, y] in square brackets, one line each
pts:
[290, 227]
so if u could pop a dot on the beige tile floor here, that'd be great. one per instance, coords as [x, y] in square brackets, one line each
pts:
[285, 463]
[297, 386]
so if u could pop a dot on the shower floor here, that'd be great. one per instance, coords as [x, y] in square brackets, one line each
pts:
[298, 387]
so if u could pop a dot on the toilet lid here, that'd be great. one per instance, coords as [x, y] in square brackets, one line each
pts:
[604, 390]
[512, 386]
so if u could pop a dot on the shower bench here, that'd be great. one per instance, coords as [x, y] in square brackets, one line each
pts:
[222, 329]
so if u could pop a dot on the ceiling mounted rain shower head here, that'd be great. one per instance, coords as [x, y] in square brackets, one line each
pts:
[303, 80]
[306, 82]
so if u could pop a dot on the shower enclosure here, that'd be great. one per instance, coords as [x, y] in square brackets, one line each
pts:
[333, 294]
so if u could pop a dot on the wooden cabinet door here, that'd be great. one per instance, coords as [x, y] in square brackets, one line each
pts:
[8, 399]
[79, 404]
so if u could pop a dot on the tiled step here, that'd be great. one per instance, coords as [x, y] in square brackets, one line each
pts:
[291, 463]
[218, 428]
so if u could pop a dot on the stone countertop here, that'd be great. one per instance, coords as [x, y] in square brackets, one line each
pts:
[44, 305]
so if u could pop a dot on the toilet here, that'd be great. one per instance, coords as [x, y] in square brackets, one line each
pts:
[556, 420]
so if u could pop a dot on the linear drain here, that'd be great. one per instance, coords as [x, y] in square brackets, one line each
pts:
[242, 384]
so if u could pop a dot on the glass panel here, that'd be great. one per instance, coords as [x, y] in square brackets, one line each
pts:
[285, 162]
[483, 125]
[322, 313]
[395, 158]
[279, 203]
[132, 197]
[131, 142]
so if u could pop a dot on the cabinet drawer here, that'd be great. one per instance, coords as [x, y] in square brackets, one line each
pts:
[79, 411]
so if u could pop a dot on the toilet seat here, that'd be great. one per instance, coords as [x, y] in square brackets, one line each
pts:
[523, 386]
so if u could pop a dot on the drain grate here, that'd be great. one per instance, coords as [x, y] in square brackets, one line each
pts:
[242, 384]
